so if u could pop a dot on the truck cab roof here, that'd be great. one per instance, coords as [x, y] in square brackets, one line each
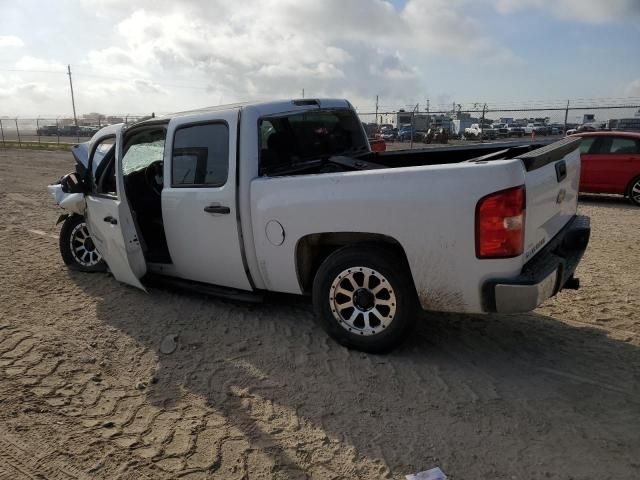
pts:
[261, 108]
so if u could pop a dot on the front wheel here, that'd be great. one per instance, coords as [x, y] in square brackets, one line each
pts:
[633, 191]
[364, 298]
[77, 248]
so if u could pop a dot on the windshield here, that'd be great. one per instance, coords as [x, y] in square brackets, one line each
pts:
[142, 149]
[286, 141]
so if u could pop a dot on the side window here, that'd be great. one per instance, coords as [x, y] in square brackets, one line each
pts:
[103, 167]
[586, 144]
[106, 179]
[103, 147]
[600, 146]
[623, 145]
[266, 129]
[200, 156]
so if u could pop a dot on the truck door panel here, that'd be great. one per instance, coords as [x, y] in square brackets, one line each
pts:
[199, 205]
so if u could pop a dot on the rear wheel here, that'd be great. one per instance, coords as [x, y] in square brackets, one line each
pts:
[364, 298]
[634, 191]
[77, 248]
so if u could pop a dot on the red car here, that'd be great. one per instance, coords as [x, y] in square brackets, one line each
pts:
[611, 163]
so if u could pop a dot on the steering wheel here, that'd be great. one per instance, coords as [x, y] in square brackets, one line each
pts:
[153, 174]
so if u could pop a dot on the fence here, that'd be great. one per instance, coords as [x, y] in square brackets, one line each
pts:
[415, 128]
[16, 132]
[401, 128]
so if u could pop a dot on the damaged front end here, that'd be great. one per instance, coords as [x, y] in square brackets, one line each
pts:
[69, 191]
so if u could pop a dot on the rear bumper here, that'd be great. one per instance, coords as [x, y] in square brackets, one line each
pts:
[544, 275]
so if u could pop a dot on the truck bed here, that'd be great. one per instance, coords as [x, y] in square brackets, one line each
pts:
[450, 154]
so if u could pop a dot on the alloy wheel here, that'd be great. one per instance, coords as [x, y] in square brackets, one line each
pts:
[634, 192]
[362, 301]
[82, 247]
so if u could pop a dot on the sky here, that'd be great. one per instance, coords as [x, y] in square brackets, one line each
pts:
[142, 56]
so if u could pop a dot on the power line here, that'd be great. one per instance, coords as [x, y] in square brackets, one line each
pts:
[105, 77]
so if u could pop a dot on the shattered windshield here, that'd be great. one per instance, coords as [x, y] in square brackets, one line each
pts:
[142, 149]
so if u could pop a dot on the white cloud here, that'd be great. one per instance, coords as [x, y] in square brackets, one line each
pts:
[10, 41]
[28, 62]
[274, 48]
[165, 55]
[114, 61]
[32, 92]
[633, 89]
[589, 11]
[97, 90]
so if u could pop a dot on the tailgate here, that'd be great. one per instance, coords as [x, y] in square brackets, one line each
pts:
[552, 180]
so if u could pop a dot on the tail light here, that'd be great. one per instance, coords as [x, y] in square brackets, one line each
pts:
[500, 224]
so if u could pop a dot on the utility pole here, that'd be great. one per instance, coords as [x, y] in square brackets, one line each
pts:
[413, 123]
[376, 109]
[428, 116]
[303, 93]
[73, 102]
[484, 109]
[566, 114]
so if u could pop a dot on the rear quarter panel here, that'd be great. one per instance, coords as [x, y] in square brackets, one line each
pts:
[429, 210]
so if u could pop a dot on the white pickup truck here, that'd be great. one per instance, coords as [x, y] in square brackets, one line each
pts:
[286, 196]
[478, 131]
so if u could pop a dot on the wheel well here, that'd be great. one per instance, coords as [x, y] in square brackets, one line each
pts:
[313, 249]
[627, 190]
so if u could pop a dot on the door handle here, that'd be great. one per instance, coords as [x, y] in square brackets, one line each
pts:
[111, 220]
[217, 209]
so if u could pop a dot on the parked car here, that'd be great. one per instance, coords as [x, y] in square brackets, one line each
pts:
[86, 131]
[388, 135]
[502, 131]
[47, 130]
[556, 128]
[587, 127]
[287, 196]
[515, 130]
[538, 128]
[405, 134]
[437, 135]
[70, 131]
[611, 163]
[475, 131]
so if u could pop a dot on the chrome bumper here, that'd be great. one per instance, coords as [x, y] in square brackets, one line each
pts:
[512, 298]
[542, 277]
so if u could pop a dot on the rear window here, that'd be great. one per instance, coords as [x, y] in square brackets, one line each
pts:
[291, 141]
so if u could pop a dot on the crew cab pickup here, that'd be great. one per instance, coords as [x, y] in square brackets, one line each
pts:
[287, 196]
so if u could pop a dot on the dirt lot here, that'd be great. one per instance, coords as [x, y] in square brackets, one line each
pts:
[261, 392]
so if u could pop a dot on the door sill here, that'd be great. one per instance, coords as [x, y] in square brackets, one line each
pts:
[157, 280]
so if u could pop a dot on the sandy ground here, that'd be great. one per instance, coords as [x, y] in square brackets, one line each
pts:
[261, 392]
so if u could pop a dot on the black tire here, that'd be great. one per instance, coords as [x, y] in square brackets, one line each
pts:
[358, 335]
[88, 262]
[633, 196]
